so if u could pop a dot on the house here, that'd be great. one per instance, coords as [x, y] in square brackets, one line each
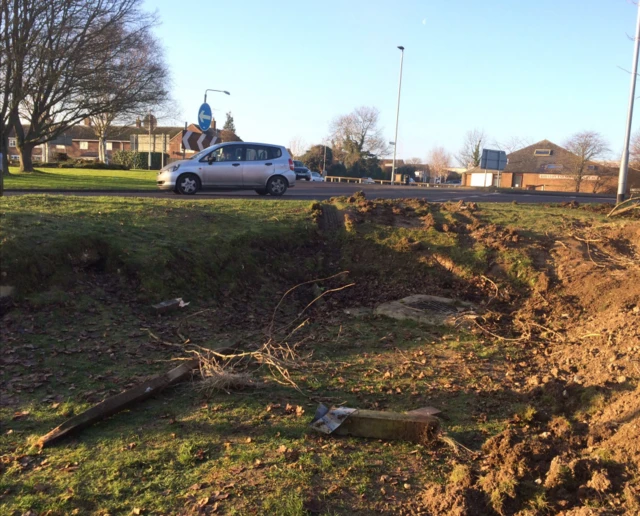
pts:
[547, 166]
[81, 142]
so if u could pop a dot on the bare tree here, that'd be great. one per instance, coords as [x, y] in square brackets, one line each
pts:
[75, 45]
[584, 147]
[439, 161]
[413, 161]
[357, 135]
[298, 147]
[512, 144]
[138, 82]
[20, 25]
[471, 151]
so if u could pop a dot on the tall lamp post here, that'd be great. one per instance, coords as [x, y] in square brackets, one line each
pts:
[218, 91]
[624, 161]
[395, 141]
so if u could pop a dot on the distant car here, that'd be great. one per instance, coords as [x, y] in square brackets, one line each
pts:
[267, 169]
[367, 181]
[453, 182]
[316, 176]
[302, 172]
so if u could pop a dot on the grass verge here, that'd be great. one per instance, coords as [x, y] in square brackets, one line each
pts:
[80, 179]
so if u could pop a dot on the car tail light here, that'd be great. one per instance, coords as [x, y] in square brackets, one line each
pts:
[291, 164]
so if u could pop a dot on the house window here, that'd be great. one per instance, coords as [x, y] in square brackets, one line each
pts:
[542, 152]
[592, 167]
[109, 145]
[84, 145]
[554, 167]
[61, 147]
[12, 142]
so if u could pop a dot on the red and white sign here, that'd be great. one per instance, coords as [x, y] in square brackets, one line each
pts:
[194, 141]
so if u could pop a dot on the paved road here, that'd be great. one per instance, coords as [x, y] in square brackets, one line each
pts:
[323, 191]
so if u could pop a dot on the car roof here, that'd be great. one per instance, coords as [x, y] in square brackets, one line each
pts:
[252, 143]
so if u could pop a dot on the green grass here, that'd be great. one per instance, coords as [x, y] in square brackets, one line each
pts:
[87, 268]
[166, 248]
[80, 179]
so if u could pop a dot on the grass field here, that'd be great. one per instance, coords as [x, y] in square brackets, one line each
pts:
[80, 179]
[81, 330]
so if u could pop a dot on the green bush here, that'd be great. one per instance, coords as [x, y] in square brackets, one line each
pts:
[78, 163]
[139, 160]
[337, 169]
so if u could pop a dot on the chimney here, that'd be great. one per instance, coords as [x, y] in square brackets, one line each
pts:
[138, 123]
[87, 122]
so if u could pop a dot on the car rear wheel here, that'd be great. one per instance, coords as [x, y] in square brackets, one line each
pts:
[261, 191]
[188, 184]
[277, 186]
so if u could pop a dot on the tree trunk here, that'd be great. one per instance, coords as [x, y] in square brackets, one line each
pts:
[4, 150]
[26, 158]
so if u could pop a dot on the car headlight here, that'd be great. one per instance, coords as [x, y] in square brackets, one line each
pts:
[170, 168]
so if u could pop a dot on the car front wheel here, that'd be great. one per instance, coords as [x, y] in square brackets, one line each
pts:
[188, 184]
[277, 186]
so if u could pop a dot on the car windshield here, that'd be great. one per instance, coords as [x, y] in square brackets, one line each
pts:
[298, 163]
[203, 153]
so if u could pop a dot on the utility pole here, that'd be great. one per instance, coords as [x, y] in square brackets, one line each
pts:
[149, 139]
[395, 141]
[624, 161]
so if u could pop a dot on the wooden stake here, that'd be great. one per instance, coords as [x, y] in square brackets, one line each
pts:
[119, 402]
[416, 427]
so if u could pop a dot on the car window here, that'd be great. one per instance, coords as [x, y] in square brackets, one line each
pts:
[229, 153]
[298, 163]
[261, 152]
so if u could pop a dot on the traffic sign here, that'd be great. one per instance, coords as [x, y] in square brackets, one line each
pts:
[204, 117]
[493, 159]
[197, 141]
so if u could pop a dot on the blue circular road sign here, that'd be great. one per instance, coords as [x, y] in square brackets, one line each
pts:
[204, 117]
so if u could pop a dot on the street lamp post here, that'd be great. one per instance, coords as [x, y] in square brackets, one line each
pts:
[624, 161]
[395, 141]
[150, 140]
[219, 91]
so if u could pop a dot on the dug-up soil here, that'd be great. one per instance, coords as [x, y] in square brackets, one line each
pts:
[576, 449]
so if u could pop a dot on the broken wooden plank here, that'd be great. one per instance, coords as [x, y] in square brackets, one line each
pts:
[373, 424]
[119, 402]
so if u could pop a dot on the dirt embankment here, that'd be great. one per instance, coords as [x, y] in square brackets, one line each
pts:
[577, 450]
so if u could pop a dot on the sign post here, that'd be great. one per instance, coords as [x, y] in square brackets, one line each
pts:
[493, 160]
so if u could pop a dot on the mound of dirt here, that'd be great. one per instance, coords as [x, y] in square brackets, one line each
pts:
[578, 452]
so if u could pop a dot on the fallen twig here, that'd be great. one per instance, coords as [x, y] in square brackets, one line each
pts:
[634, 204]
[275, 310]
[519, 339]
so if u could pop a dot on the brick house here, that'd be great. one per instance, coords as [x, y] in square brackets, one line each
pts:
[547, 166]
[84, 143]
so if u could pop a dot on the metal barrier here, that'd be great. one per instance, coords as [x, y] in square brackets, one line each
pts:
[340, 179]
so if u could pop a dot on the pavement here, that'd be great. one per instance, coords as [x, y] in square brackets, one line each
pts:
[323, 191]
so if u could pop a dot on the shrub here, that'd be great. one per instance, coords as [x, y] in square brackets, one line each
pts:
[139, 160]
[337, 169]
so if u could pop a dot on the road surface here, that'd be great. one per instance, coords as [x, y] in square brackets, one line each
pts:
[322, 191]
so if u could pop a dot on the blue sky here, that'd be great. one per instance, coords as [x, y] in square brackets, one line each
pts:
[529, 69]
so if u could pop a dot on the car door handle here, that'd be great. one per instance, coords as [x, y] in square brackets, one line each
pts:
[236, 164]
[268, 164]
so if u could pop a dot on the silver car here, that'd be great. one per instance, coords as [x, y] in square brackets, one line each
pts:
[267, 169]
